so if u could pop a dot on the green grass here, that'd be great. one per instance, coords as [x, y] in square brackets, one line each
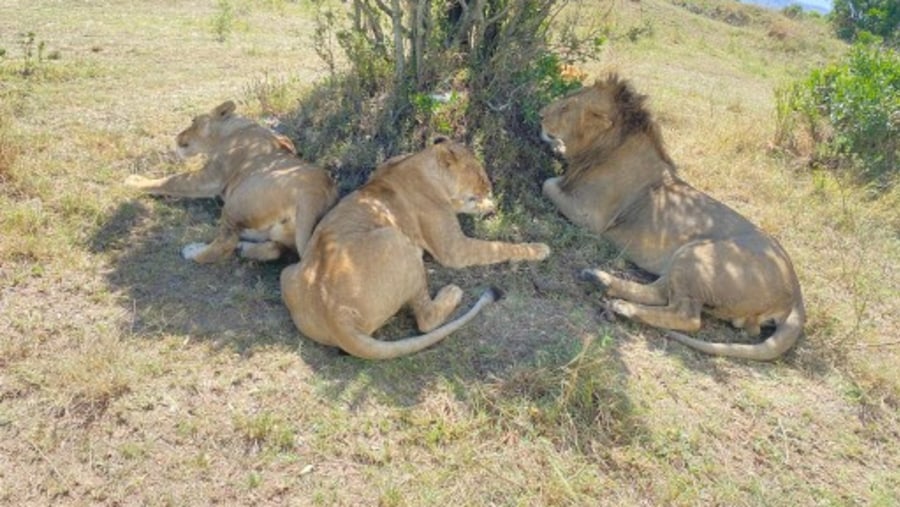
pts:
[129, 375]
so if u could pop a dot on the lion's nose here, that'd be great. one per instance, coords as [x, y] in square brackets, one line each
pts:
[487, 207]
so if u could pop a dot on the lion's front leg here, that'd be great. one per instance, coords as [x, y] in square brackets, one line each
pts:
[465, 251]
[449, 246]
[570, 207]
[206, 182]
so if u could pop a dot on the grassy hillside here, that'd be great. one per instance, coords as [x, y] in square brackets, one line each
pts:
[129, 376]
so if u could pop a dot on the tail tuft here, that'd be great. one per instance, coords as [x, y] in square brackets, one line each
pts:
[496, 293]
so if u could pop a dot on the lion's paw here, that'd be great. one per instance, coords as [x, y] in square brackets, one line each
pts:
[551, 186]
[192, 250]
[600, 278]
[540, 251]
[449, 295]
[620, 307]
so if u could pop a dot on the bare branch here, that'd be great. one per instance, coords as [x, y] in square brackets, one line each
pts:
[384, 8]
[420, 38]
[497, 17]
[399, 50]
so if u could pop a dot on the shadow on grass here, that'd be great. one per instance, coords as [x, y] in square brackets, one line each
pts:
[549, 360]
[232, 303]
[518, 352]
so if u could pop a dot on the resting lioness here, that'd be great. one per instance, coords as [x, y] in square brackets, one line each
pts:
[364, 261]
[621, 183]
[272, 198]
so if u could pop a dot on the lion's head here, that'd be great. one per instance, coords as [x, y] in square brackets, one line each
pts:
[595, 119]
[469, 183]
[208, 129]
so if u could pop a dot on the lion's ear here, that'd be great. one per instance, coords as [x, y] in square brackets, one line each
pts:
[225, 109]
[441, 139]
[445, 151]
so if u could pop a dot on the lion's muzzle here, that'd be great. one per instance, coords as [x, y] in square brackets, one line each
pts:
[555, 143]
[485, 207]
[481, 207]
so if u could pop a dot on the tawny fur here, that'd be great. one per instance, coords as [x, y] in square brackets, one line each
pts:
[621, 183]
[272, 198]
[364, 261]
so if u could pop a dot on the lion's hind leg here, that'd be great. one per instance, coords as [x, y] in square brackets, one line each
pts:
[430, 313]
[268, 243]
[681, 315]
[221, 247]
[751, 325]
[263, 252]
[310, 208]
[653, 294]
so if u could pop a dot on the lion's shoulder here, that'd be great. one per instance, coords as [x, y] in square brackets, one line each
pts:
[250, 140]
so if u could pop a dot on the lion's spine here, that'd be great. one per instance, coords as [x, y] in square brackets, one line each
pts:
[364, 346]
[785, 336]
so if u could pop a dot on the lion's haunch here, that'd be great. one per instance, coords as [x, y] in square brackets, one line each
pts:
[364, 261]
[272, 198]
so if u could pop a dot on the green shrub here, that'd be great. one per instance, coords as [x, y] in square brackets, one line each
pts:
[398, 80]
[221, 22]
[850, 113]
[793, 11]
[546, 82]
[853, 18]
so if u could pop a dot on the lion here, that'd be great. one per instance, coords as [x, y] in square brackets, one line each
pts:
[620, 183]
[364, 261]
[272, 198]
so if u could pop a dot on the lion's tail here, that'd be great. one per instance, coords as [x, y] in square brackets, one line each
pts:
[364, 346]
[785, 336]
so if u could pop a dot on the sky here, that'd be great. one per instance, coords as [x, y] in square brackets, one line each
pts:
[823, 4]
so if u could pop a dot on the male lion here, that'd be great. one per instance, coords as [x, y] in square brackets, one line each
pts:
[364, 261]
[621, 183]
[272, 198]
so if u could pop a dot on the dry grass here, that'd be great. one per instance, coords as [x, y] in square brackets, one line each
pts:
[130, 376]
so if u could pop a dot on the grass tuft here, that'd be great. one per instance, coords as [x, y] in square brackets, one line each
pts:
[265, 431]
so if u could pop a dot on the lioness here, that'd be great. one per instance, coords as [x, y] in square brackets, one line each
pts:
[272, 198]
[364, 261]
[621, 183]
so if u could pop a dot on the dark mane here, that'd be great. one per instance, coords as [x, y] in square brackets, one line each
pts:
[634, 115]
